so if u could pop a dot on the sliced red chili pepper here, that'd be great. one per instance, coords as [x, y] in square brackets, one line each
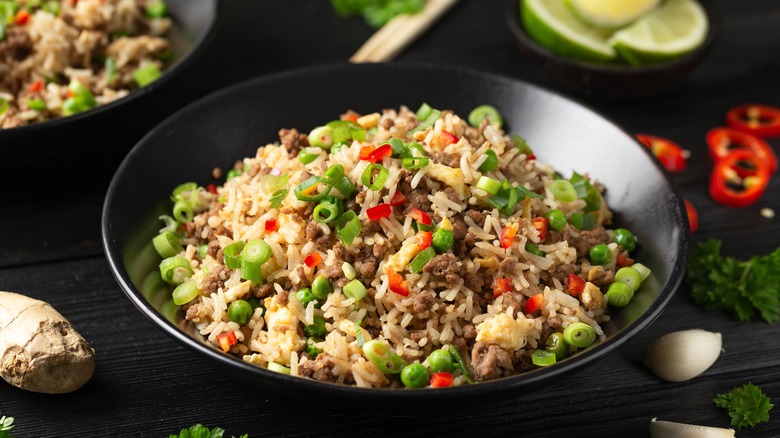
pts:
[441, 379]
[693, 215]
[226, 340]
[424, 239]
[379, 211]
[575, 284]
[534, 303]
[722, 140]
[755, 118]
[542, 225]
[22, 17]
[312, 259]
[729, 188]
[623, 261]
[398, 199]
[501, 286]
[420, 216]
[271, 225]
[380, 153]
[36, 86]
[365, 152]
[211, 188]
[448, 137]
[669, 153]
[398, 284]
[507, 235]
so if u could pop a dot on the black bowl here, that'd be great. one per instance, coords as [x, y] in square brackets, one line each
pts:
[230, 124]
[594, 79]
[27, 147]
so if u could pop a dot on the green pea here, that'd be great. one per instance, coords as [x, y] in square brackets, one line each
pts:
[624, 238]
[317, 329]
[443, 240]
[415, 375]
[557, 219]
[321, 287]
[240, 311]
[600, 254]
[311, 347]
[440, 360]
[305, 296]
[558, 345]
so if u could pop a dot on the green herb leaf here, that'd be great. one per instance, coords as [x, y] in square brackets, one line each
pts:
[6, 424]
[201, 431]
[746, 289]
[376, 12]
[747, 405]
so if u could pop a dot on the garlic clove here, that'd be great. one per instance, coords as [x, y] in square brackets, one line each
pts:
[682, 355]
[669, 429]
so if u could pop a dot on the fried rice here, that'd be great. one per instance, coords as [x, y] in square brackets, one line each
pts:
[359, 296]
[62, 57]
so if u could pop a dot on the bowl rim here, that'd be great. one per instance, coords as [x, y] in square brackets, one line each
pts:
[513, 13]
[504, 386]
[198, 46]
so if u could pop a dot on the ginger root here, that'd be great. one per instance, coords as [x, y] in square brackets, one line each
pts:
[40, 350]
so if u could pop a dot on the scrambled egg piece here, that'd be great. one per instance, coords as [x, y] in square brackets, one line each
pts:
[450, 176]
[592, 297]
[282, 328]
[504, 331]
[400, 260]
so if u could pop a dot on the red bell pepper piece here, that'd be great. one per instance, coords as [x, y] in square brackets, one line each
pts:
[226, 340]
[36, 86]
[755, 118]
[693, 215]
[365, 152]
[271, 225]
[420, 216]
[507, 235]
[501, 286]
[534, 303]
[669, 153]
[732, 190]
[398, 199]
[22, 17]
[575, 284]
[623, 261]
[312, 259]
[379, 211]
[380, 153]
[448, 137]
[398, 284]
[441, 379]
[722, 140]
[424, 239]
[542, 225]
[211, 188]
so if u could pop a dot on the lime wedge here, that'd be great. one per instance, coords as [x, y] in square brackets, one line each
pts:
[555, 26]
[611, 14]
[675, 28]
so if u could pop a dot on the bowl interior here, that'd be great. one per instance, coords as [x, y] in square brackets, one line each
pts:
[231, 124]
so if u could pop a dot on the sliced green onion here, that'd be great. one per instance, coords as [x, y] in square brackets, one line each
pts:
[257, 251]
[336, 148]
[36, 104]
[412, 163]
[232, 173]
[421, 259]
[251, 271]
[579, 334]
[629, 276]
[146, 74]
[619, 294]
[460, 363]
[176, 269]
[82, 94]
[533, 249]
[185, 292]
[563, 190]
[348, 227]
[373, 182]
[157, 9]
[359, 337]
[490, 163]
[336, 177]
[427, 122]
[358, 134]
[643, 270]
[524, 192]
[348, 270]
[346, 130]
[587, 192]
[380, 355]
[489, 184]
[182, 211]
[110, 68]
[482, 112]
[203, 251]
[325, 212]
[321, 137]
[277, 198]
[273, 366]
[443, 240]
[272, 183]
[303, 188]
[52, 7]
[167, 244]
[414, 146]
[307, 155]
[523, 145]
[399, 150]
[355, 290]
[233, 254]
[170, 224]
[512, 199]
[424, 111]
[583, 221]
[543, 358]
[4, 105]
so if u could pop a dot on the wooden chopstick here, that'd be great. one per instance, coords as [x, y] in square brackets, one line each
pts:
[386, 43]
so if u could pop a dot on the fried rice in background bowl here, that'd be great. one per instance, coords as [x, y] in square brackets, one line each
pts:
[68, 67]
[231, 125]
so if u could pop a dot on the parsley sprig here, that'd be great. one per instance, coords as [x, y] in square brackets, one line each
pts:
[746, 289]
[747, 405]
[201, 431]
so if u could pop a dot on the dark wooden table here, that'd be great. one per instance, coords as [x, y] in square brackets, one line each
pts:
[146, 384]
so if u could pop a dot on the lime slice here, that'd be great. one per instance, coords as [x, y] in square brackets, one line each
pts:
[555, 26]
[675, 28]
[611, 14]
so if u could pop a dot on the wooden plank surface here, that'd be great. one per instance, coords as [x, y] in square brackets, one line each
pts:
[146, 384]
